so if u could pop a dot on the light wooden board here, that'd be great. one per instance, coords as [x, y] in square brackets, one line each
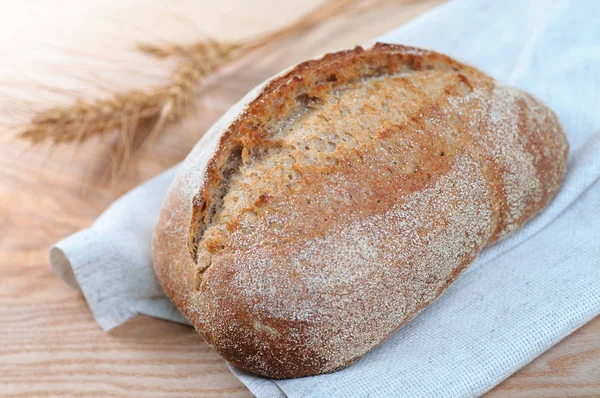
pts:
[49, 342]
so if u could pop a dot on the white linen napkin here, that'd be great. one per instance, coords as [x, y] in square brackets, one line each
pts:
[520, 296]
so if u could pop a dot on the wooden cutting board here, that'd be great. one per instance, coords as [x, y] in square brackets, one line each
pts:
[49, 342]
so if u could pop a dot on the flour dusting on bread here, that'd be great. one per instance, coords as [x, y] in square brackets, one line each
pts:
[345, 196]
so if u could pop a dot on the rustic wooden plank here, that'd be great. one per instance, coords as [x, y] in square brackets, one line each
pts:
[49, 342]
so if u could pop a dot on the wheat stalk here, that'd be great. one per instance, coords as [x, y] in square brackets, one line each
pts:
[131, 112]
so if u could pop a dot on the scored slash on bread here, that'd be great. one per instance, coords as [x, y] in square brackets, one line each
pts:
[345, 196]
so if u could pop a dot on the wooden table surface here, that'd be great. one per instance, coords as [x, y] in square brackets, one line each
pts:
[49, 342]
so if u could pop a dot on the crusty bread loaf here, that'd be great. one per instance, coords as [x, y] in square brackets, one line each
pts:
[342, 197]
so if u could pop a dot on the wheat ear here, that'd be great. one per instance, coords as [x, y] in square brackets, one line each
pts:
[131, 111]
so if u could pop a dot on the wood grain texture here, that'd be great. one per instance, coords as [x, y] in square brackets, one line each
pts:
[49, 342]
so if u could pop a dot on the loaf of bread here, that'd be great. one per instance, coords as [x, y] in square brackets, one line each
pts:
[341, 197]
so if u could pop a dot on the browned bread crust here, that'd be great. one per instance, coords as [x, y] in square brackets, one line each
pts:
[336, 202]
